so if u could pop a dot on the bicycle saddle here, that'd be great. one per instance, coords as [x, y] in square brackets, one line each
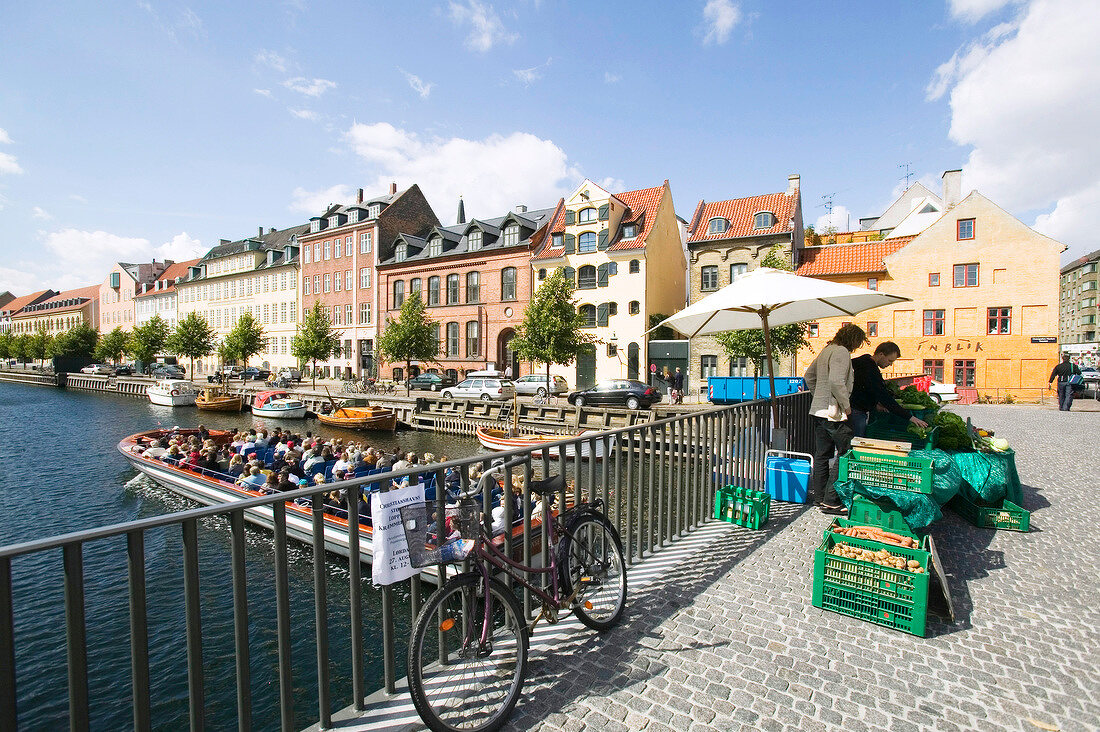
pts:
[552, 484]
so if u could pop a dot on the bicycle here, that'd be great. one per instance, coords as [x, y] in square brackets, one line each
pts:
[546, 400]
[468, 653]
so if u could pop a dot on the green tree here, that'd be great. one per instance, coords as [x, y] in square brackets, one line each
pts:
[812, 238]
[7, 338]
[551, 332]
[245, 340]
[21, 347]
[40, 344]
[192, 337]
[411, 337]
[315, 340]
[77, 342]
[112, 345]
[786, 339]
[148, 339]
[664, 333]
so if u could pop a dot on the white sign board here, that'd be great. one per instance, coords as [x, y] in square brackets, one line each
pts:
[391, 553]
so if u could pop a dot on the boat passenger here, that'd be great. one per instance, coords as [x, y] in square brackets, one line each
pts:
[203, 433]
[294, 467]
[238, 440]
[157, 449]
[249, 443]
[236, 466]
[406, 462]
[262, 439]
[319, 479]
[209, 460]
[253, 480]
[342, 464]
[174, 454]
[271, 484]
[278, 462]
[281, 448]
[312, 457]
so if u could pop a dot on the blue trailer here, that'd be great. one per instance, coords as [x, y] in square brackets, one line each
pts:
[733, 389]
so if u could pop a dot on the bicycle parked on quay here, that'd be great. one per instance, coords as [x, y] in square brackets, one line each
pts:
[468, 652]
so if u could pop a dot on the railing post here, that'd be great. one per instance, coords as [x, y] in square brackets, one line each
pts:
[8, 706]
[240, 621]
[193, 612]
[320, 611]
[282, 619]
[139, 630]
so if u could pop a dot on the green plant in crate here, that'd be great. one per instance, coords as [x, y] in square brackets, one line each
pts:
[952, 434]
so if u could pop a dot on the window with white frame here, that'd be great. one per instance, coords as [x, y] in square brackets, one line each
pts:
[347, 279]
[473, 239]
[708, 366]
[511, 235]
[435, 246]
[586, 215]
[348, 245]
[717, 225]
[364, 313]
[328, 282]
[365, 240]
[401, 253]
[338, 285]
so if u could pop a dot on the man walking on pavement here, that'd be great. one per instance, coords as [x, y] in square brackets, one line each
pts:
[1062, 372]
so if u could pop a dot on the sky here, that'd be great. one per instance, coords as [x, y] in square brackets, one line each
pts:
[139, 130]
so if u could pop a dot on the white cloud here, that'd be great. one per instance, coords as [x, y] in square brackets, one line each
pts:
[272, 60]
[492, 174]
[974, 10]
[40, 213]
[5, 139]
[719, 17]
[309, 87]
[1019, 101]
[305, 114]
[9, 165]
[531, 75]
[264, 93]
[78, 198]
[180, 248]
[610, 78]
[314, 203]
[421, 87]
[839, 220]
[486, 28]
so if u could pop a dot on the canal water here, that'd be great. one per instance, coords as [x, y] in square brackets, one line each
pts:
[60, 471]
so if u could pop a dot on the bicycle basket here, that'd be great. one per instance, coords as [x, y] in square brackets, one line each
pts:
[461, 527]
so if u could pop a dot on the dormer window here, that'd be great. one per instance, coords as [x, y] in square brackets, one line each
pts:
[718, 225]
[474, 240]
[586, 215]
[763, 220]
[511, 235]
[375, 210]
[315, 225]
[630, 231]
[557, 240]
[401, 253]
[333, 221]
[435, 246]
[353, 216]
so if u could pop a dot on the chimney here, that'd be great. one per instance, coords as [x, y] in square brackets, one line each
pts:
[952, 188]
[359, 197]
[793, 181]
[261, 231]
[521, 208]
[393, 188]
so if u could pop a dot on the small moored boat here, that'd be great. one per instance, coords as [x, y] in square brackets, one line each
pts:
[497, 439]
[361, 418]
[172, 393]
[279, 404]
[217, 399]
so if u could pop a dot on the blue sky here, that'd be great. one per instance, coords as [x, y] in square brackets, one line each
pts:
[140, 129]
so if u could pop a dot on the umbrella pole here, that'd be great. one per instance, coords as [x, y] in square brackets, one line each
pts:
[771, 373]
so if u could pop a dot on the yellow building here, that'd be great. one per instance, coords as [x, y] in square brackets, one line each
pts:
[625, 254]
[984, 291]
[59, 313]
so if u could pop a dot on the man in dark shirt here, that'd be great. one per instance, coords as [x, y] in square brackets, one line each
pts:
[1062, 372]
[869, 391]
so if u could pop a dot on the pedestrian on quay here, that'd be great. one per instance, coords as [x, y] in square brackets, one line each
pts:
[869, 392]
[678, 387]
[830, 379]
[1062, 372]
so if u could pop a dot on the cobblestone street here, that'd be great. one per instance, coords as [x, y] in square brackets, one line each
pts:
[730, 641]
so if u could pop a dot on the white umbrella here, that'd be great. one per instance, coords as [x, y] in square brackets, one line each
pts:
[768, 297]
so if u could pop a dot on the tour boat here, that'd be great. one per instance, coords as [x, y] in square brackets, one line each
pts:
[279, 404]
[497, 439]
[361, 418]
[215, 489]
[172, 393]
[217, 399]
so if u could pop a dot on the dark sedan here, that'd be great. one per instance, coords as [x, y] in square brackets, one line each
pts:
[430, 382]
[616, 393]
[254, 374]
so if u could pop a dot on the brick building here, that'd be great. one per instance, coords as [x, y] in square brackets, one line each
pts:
[13, 306]
[339, 257]
[59, 313]
[116, 294]
[475, 279]
[159, 297]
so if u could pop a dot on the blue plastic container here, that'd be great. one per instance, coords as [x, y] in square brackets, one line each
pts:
[787, 475]
[733, 389]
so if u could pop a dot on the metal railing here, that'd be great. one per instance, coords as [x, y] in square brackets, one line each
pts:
[656, 481]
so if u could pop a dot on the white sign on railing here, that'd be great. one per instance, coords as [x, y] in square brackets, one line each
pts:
[391, 563]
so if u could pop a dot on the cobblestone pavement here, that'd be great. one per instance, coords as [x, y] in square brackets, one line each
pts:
[730, 641]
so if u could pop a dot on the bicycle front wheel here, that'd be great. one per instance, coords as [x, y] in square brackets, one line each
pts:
[591, 561]
[460, 678]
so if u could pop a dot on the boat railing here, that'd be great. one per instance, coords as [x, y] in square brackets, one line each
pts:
[656, 482]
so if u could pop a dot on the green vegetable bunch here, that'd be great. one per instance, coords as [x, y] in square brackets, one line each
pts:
[952, 434]
[911, 396]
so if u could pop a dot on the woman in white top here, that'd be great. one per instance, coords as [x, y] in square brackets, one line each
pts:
[830, 379]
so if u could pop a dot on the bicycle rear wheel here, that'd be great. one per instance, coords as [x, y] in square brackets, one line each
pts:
[590, 559]
[458, 684]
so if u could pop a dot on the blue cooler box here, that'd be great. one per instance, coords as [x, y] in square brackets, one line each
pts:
[787, 475]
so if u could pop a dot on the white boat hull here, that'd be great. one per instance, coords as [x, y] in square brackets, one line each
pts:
[295, 413]
[505, 444]
[168, 400]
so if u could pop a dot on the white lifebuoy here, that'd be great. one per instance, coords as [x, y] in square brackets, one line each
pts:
[175, 392]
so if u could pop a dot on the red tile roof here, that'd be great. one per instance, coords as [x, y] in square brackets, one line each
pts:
[168, 278]
[21, 302]
[740, 212]
[86, 293]
[837, 259]
[641, 206]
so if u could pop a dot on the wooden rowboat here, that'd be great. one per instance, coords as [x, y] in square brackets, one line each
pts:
[497, 439]
[217, 399]
[361, 418]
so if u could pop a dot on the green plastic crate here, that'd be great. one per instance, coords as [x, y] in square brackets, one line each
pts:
[866, 512]
[1007, 516]
[913, 474]
[742, 506]
[893, 598]
[891, 431]
[843, 523]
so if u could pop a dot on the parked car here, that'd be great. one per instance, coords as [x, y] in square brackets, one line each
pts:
[96, 368]
[942, 392]
[1088, 373]
[167, 371]
[536, 384]
[255, 374]
[430, 382]
[290, 374]
[481, 387]
[617, 392]
[124, 369]
[232, 372]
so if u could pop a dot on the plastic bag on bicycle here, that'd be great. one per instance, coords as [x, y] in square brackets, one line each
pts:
[456, 551]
